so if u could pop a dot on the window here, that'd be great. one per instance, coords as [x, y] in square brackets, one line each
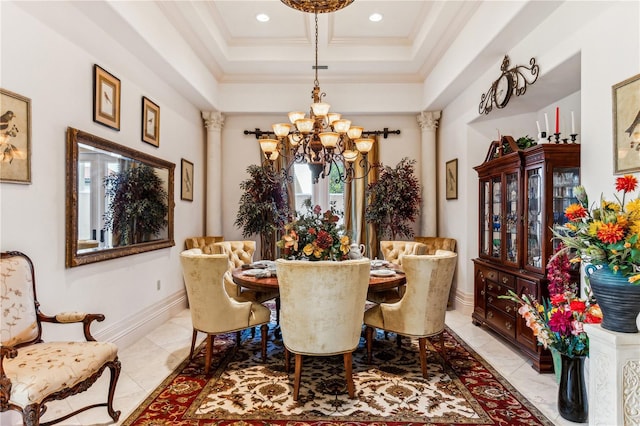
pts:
[323, 193]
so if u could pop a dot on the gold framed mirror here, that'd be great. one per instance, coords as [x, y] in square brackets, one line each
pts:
[119, 201]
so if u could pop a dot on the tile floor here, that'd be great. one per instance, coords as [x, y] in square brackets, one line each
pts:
[147, 362]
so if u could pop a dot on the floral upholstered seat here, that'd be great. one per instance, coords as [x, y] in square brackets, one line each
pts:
[33, 372]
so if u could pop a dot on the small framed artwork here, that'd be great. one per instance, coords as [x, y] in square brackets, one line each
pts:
[150, 122]
[186, 182]
[15, 137]
[626, 125]
[106, 98]
[451, 173]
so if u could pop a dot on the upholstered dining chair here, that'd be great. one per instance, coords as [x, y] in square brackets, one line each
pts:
[204, 243]
[394, 252]
[322, 305]
[420, 313]
[213, 311]
[33, 372]
[437, 243]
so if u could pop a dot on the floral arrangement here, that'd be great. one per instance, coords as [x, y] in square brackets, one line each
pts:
[558, 322]
[315, 235]
[608, 233]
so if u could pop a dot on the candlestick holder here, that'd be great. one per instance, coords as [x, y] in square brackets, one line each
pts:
[542, 137]
[565, 140]
[557, 135]
[574, 137]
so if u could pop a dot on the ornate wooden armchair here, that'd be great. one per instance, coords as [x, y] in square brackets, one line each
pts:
[33, 372]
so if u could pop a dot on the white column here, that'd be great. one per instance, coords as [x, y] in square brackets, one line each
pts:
[428, 121]
[614, 377]
[213, 121]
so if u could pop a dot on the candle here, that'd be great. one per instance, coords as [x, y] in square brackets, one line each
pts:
[546, 122]
[557, 120]
[573, 124]
[538, 126]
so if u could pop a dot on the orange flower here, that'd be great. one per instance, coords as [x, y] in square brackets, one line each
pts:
[610, 233]
[575, 212]
[626, 183]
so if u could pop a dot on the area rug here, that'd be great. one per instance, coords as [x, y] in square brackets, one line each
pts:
[241, 390]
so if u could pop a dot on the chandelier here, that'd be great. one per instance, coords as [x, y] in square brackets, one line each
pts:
[324, 140]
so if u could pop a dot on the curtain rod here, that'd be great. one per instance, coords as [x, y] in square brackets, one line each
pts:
[385, 132]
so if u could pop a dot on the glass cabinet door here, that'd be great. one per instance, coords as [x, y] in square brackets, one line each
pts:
[486, 221]
[496, 218]
[565, 179]
[511, 218]
[533, 218]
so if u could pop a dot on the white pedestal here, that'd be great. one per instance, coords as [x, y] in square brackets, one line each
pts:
[614, 377]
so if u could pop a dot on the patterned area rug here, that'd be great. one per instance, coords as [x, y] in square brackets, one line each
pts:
[241, 390]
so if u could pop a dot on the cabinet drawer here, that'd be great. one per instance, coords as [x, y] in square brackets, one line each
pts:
[507, 280]
[487, 273]
[501, 322]
[507, 306]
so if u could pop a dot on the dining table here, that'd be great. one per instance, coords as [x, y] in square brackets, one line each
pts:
[270, 283]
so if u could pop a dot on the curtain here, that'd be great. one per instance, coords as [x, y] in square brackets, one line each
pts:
[355, 204]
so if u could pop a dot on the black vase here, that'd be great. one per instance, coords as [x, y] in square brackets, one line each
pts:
[573, 404]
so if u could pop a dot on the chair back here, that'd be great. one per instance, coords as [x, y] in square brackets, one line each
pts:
[203, 243]
[394, 251]
[212, 310]
[422, 309]
[19, 315]
[239, 252]
[437, 243]
[322, 304]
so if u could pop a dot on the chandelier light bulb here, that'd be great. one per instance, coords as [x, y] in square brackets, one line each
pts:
[329, 139]
[305, 125]
[364, 145]
[350, 155]
[341, 126]
[281, 129]
[320, 109]
[354, 132]
[272, 156]
[293, 141]
[295, 116]
[268, 145]
[333, 116]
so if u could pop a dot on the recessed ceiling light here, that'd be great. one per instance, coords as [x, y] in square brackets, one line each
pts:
[262, 17]
[375, 17]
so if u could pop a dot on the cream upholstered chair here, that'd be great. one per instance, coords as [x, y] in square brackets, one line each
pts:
[203, 243]
[437, 243]
[421, 311]
[322, 305]
[212, 310]
[394, 251]
[33, 372]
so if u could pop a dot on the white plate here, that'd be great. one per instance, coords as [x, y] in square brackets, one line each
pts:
[253, 272]
[382, 272]
[379, 263]
[264, 263]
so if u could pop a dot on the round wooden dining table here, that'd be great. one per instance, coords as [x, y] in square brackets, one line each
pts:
[376, 283]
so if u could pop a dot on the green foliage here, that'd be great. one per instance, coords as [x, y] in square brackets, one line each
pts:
[138, 207]
[335, 185]
[394, 200]
[263, 205]
[526, 142]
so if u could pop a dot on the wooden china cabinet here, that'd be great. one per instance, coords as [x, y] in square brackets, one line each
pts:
[523, 193]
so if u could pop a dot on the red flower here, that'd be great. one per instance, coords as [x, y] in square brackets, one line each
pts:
[578, 305]
[324, 239]
[312, 231]
[626, 183]
[575, 212]
[560, 321]
[610, 233]
[558, 299]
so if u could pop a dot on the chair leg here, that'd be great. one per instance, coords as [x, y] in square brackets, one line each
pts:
[264, 329]
[193, 343]
[253, 332]
[348, 368]
[209, 353]
[115, 367]
[287, 363]
[368, 335]
[297, 377]
[277, 310]
[238, 337]
[398, 341]
[31, 415]
[442, 349]
[422, 343]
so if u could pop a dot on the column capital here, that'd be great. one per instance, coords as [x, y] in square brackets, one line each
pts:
[428, 120]
[213, 120]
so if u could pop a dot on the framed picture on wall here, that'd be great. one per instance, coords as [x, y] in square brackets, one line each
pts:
[106, 98]
[186, 181]
[15, 137]
[150, 122]
[626, 125]
[451, 173]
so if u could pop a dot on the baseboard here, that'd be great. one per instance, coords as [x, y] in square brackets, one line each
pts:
[463, 302]
[133, 328]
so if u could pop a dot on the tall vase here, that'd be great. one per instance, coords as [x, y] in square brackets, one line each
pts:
[619, 300]
[573, 404]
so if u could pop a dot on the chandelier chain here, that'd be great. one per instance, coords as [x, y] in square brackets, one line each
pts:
[316, 82]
